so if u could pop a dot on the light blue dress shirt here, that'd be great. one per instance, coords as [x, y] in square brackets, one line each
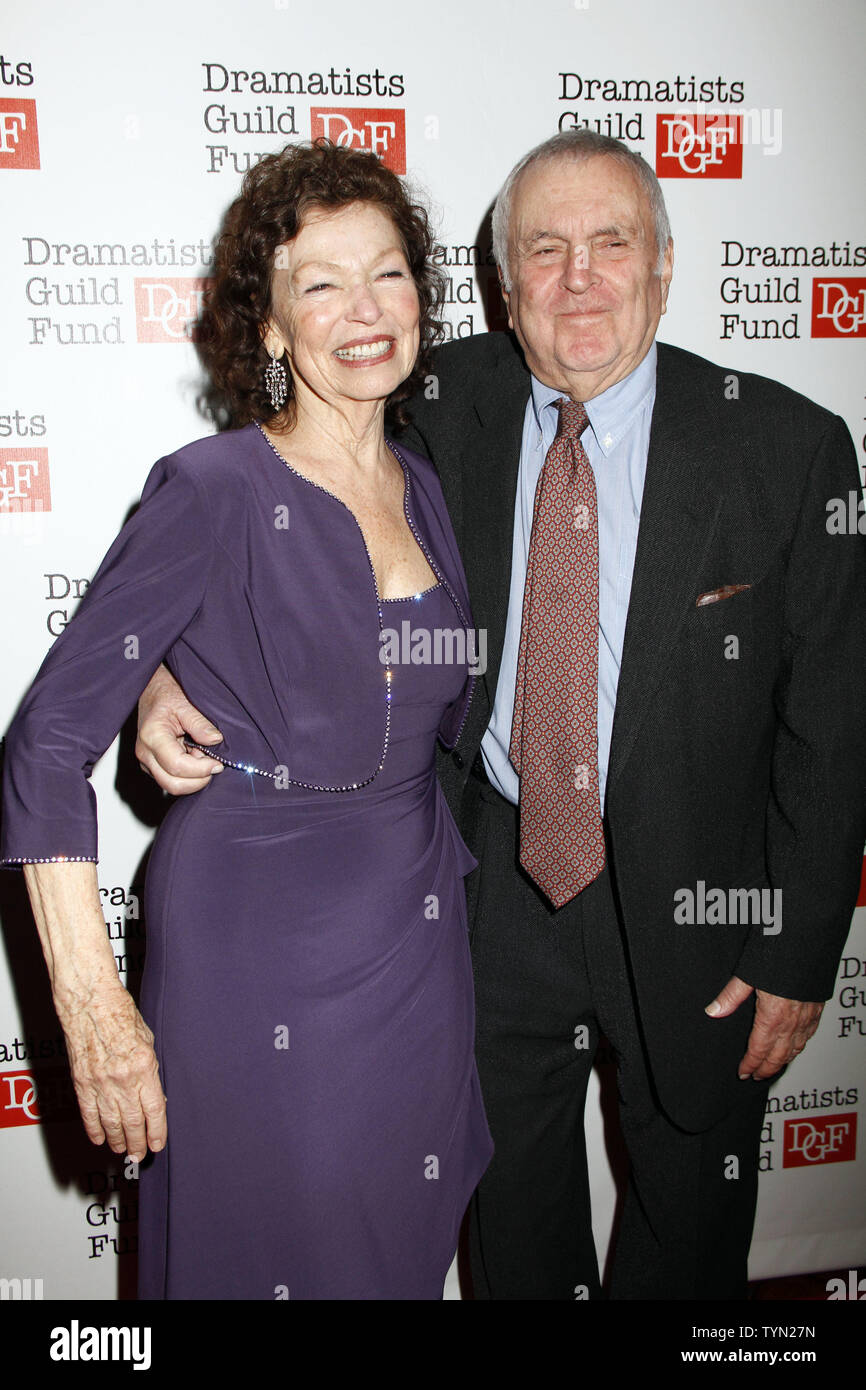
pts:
[616, 441]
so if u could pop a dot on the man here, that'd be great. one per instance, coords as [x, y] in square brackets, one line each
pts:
[674, 697]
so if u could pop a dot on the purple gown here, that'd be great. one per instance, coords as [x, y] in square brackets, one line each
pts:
[308, 978]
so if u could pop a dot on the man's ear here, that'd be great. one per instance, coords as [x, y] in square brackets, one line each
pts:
[506, 295]
[667, 271]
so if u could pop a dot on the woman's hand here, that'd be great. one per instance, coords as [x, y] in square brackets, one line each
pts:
[114, 1070]
[114, 1067]
[164, 716]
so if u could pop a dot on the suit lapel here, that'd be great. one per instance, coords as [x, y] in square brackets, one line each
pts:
[490, 468]
[679, 513]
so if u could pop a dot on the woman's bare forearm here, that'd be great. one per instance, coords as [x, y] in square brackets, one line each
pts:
[68, 914]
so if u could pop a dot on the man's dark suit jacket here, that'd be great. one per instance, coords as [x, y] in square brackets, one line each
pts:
[746, 771]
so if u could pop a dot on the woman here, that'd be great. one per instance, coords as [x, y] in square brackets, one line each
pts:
[307, 980]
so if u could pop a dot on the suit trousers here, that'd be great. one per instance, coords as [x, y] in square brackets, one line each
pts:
[547, 984]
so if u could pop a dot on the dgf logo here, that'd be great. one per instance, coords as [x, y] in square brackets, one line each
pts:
[167, 311]
[383, 132]
[827, 1139]
[18, 1104]
[699, 146]
[19, 137]
[839, 308]
[24, 481]
[22, 1103]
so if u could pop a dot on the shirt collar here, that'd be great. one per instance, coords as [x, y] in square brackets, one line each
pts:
[611, 414]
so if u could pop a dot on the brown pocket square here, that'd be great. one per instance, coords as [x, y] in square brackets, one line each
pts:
[714, 595]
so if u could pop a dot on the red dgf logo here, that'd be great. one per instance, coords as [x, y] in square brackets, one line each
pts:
[826, 1139]
[699, 146]
[19, 137]
[839, 308]
[166, 311]
[28, 1098]
[24, 481]
[18, 1103]
[357, 128]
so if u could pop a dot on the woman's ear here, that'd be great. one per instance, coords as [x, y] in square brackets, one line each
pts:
[271, 339]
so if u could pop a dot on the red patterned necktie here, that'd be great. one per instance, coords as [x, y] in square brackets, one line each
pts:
[554, 735]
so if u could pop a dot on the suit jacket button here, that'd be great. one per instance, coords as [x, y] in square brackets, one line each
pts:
[458, 760]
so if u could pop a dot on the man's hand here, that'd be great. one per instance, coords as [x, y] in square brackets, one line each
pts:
[164, 716]
[781, 1029]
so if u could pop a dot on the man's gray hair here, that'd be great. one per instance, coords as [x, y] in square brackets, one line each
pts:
[578, 145]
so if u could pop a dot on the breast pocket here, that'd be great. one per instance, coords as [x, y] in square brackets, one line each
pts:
[719, 635]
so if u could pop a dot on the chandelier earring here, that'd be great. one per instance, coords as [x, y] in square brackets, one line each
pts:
[276, 383]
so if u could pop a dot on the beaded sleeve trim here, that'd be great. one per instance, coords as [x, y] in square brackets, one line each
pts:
[53, 859]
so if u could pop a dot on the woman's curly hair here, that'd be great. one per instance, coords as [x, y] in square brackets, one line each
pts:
[276, 194]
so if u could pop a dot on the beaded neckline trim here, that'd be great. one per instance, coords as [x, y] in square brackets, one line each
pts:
[389, 675]
[409, 598]
[441, 580]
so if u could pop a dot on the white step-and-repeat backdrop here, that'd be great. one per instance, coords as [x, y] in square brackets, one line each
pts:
[124, 131]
